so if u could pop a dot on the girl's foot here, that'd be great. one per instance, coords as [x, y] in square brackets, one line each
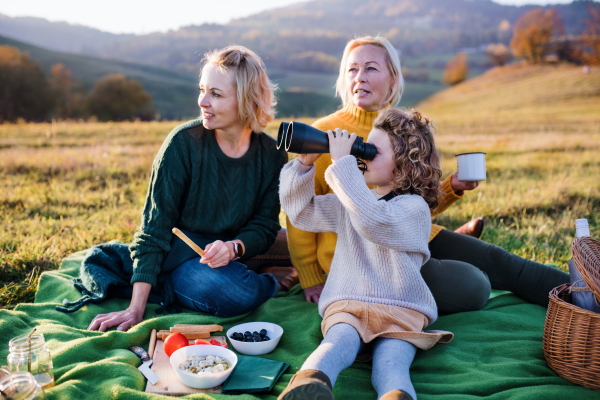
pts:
[396, 395]
[309, 384]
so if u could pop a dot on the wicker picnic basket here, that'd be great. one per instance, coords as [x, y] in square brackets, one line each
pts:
[572, 334]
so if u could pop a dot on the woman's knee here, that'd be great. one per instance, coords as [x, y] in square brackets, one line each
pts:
[472, 295]
[481, 289]
[456, 286]
[225, 291]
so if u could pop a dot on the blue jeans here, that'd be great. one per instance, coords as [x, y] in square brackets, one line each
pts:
[225, 291]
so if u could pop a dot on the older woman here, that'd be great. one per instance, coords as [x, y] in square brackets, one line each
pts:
[217, 179]
[461, 267]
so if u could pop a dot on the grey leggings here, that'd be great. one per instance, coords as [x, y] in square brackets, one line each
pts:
[462, 270]
[391, 359]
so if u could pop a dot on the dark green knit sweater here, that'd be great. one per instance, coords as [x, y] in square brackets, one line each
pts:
[196, 187]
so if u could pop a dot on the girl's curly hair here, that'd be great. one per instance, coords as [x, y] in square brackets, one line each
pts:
[418, 169]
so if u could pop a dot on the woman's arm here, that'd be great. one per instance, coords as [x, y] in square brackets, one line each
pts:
[125, 319]
[261, 230]
[169, 182]
[451, 190]
[446, 197]
[161, 212]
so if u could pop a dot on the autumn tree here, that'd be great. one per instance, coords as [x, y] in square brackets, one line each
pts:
[591, 36]
[24, 90]
[67, 92]
[116, 98]
[534, 33]
[499, 53]
[456, 70]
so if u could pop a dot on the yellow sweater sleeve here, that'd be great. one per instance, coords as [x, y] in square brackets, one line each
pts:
[446, 198]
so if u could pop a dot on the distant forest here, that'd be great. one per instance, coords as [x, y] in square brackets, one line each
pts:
[301, 46]
[306, 36]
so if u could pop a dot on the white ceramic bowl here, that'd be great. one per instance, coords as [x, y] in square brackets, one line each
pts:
[274, 332]
[202, 381]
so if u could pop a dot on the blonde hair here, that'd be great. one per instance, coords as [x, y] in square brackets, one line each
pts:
[393, 63]
[255, 92]
[416, 158]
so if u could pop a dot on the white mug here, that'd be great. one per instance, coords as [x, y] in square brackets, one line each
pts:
[471, 166]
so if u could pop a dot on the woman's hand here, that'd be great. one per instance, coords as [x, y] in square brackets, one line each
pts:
[218, 254]
[313, 293]
[340, 143]
[127, 318]
[308, 159]
[124, 319]
[459, 186]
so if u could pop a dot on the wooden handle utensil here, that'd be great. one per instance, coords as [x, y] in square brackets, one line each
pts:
[152, 343]
[184, 328]
[187, 240]
[189, 335]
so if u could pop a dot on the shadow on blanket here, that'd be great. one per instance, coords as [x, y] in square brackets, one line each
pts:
[496, 352]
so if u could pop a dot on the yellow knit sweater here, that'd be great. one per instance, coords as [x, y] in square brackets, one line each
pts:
[312, 252]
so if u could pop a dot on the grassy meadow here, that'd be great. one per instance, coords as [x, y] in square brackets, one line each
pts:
[68, 186]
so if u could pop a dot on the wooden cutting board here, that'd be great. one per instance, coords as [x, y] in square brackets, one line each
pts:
[169, 384]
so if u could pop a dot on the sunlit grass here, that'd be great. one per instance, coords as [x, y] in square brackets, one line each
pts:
[66, 187]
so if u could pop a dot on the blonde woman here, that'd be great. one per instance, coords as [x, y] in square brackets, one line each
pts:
[461, 267]
[216, 178]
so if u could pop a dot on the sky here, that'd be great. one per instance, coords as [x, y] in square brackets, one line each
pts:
[117, 16]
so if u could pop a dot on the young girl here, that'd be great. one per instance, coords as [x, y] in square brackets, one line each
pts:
[374, 292]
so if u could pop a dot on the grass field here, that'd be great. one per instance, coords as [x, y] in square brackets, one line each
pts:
[68, 186]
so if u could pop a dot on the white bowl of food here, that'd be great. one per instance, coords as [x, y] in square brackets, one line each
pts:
[197, 366]
[266, 344]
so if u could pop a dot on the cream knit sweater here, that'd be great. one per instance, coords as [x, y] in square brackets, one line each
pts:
[381, 245]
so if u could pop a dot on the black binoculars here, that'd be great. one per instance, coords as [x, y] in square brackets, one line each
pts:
[300, 138]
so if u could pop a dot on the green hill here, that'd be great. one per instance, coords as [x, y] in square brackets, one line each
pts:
[174, 92]
[540, 128]
[559, 93]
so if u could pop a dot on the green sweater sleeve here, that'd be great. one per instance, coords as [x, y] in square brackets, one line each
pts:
[168, 183]
[260, 232]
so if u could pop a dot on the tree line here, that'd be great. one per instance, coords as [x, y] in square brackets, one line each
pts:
[538, 37]
[26, 92]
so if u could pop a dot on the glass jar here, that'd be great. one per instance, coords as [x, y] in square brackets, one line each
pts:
[31, 356]
[21, 386]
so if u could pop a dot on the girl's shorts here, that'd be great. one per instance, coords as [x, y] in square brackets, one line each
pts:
[378, 320]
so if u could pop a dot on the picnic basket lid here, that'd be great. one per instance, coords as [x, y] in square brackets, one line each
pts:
[586, 254]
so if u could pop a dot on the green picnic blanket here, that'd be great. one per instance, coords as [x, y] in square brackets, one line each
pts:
[496, 352]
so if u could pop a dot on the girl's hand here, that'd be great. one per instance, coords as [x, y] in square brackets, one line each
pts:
[308, 159]
[340, 143]
[313, 293]
[217, 254]
[459, 186]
